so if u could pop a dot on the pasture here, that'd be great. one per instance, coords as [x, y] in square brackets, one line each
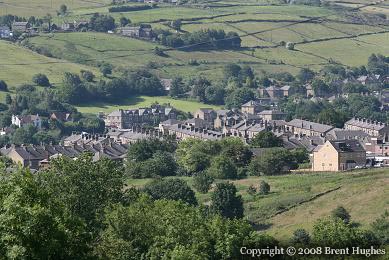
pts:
[143, 101]
[18, 65]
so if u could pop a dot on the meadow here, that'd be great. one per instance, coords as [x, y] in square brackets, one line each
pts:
[18, 65]
[143, 101]
[291, 203]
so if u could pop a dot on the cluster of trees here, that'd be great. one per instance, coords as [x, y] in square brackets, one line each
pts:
[76, 89]
[338, 231]
[228, 158]
[129, 8]
[236, 88]
[209, 38]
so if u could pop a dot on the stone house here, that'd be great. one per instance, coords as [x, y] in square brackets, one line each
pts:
[252, 107]
[20, 26]
[338, 155]
[143, 31]
[272, 115]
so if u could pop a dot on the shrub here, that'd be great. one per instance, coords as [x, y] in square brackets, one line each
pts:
[202, 182]
[41, 80]
[264, 188]
[251, 190]
[342, 214]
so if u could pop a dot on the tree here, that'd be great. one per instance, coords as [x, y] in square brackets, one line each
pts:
[264, 188]
[305, 75]
[8, 99]
[63, 9]
[272, 162]
[238, 97]
[124, 21]
[48, 18]
[72, 90]
[222, 167]
[176, 24]
[321, 88]
[3, 86]
[85, 187]
[101, 23]
[24, 135]
[171, 189]
[41, 80]
[161, 164]
[34, 225]
[342, 214]
[226, 202]
[202, 182]
[106, 69]
[266, 139]
[380, 227]
[177, 87]
[87, 75]
[301, 237]
[335, 233]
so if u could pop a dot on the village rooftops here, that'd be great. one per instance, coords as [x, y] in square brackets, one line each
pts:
[271, 112]
[366, 123]
[303, 124]
[347, 146]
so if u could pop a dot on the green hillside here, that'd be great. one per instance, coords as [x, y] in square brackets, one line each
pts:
[19, 64]
[363, 193]
[327, 35]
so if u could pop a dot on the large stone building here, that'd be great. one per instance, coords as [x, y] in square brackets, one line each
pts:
[143, 31]
[338, 156]
[370, 127]
[123, 119]
[272, 115]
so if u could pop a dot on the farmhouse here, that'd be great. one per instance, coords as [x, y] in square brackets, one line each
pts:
[143, 31]
[338, 156]
[20, 26]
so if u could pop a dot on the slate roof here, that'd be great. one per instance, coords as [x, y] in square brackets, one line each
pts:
[347, 146]
[321, 128]
[366, 124]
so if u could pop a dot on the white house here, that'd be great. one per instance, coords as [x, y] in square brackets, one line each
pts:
[21, 121]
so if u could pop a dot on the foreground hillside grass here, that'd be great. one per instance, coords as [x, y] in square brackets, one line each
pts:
[143, 101]
[364, 194]
[18, 65]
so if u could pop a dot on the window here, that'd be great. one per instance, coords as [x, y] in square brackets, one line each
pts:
[323, 164]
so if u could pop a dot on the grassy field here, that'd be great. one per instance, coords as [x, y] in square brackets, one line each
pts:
[143, 101]
[18, 65]
[363, 193]
[42, 7]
